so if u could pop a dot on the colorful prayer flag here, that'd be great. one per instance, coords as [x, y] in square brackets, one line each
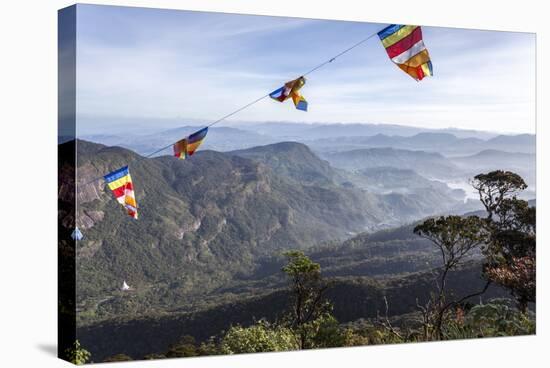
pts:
[187, 146]
[291, 90]
[405, 47]
[120, 182]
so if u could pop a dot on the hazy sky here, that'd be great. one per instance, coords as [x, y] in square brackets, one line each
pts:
[147, 63]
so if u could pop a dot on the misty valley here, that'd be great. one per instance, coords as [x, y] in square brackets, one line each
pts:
[215, 230]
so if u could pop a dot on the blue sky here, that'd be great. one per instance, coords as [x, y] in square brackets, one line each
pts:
[193, 66]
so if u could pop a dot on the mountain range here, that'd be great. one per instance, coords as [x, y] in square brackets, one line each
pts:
[444, 143]
[294, 161]
[204, 220]
[204, 217]
[523, 164]
[327, 138]
[428, 164]
[312, 131]
[206, 251]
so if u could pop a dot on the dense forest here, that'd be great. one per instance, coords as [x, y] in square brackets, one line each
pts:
[444, 277]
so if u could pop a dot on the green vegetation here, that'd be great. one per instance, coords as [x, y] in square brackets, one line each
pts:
[456, 238]
[309, 312]
[309, 322]
[496, 318]
[260, 337]
[294, 161]
[177, 254]
[511, 245]
[310, 317]
[77, 354]
[207, 278]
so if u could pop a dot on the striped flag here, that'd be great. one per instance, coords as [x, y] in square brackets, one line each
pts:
[405, 47]
[120, 183]
[291, 90]
[187, 146]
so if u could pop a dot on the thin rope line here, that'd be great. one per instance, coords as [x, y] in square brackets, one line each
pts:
[214, 123]
[267, 95]
[340, 54]
[238, 110]
[256, 100]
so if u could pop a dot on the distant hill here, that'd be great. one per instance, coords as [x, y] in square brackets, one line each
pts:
[311, 131]
[295, 161]
[496, 158]
[445, 143]
[431, 165]
[398, 179]
[509, 142]
[320, 137]
[402, 194]
[523, 164]
[218, 138]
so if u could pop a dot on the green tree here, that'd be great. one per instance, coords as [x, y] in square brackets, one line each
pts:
[209, 347]
[260, 337]
[510, 253]
[456, 237]
[496, 186]
[307, 288]
[496, 318]
[77, 354]
[325, 332]
[186, 347]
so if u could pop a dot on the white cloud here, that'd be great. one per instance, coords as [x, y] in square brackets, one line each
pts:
[206, 67]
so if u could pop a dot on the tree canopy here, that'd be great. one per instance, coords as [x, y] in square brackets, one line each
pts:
[495, 186]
